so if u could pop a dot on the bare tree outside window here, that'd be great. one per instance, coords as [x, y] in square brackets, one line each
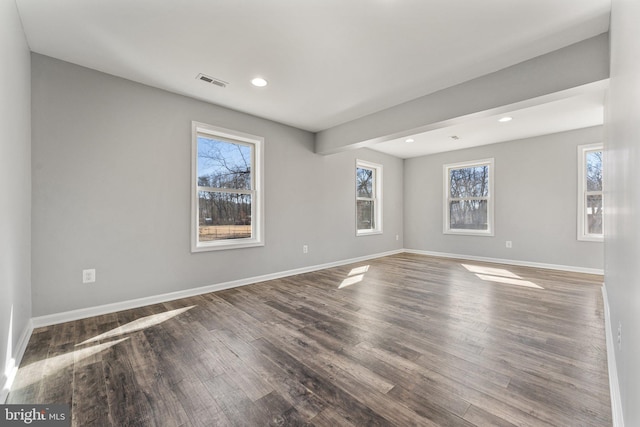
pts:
[227, 203]
[368, 198]
[224, 171]
[590, 193]
[469, 190]
[594, 192]
[364, 189]
[468, 197]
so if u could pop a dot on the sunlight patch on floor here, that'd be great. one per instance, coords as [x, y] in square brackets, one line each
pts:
[36, 371]
[138, 324]
[491, 271]
[499, 275]
[356, 275]
[509, 281]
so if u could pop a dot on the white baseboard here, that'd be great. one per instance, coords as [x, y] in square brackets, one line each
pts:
[614, 385]
[510, 262]
[12, 370]
[82, 313]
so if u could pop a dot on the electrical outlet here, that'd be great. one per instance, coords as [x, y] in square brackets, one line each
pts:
[89, 276]
[619, 335]
[305, 249]
[509, 244]
[397, 237]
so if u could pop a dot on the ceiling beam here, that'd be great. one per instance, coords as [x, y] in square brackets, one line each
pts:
[570, 67]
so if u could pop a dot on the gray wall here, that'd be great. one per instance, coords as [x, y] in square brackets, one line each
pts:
[622, 198]
[15, 187]
[111, 191]
[535, 202]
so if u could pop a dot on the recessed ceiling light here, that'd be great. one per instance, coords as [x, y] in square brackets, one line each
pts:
[505, 119]
[409, 140]
[259, 82]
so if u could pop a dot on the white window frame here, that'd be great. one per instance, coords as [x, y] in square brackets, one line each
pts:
[256, 191]
[376, 199]
[490, 198]
[583, 233]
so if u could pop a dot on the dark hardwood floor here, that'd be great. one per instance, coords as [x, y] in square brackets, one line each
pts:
[401, 340]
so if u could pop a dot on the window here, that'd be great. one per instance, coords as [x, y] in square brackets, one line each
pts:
[227, 189]
[590, 214]
[368, 198]
[468, 198]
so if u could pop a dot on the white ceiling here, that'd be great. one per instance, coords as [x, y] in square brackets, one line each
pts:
[327, 61]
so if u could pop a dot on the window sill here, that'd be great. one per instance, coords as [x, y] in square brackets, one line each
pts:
[591, 239]
[367, 232]
[221, 246]
[469, 233]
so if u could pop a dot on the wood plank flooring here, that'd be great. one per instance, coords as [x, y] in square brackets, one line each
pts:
[401, 340]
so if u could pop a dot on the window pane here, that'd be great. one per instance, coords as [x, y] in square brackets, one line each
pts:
[223, 216]
[594, 214]
[468, 215]
[469, 182]
[594, 170]
[365, 215]
[223, 164]
[364, 183]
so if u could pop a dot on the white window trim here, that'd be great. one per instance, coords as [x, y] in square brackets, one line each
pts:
[490, 199]
[257, 202]
[377, 184]
[582, 193]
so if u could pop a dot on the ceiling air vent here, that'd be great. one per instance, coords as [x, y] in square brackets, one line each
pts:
[212, 80]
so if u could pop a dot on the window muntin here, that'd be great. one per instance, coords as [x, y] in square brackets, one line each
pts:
[226, 201]
[368, 198]
[468, 204]
[590, 196]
